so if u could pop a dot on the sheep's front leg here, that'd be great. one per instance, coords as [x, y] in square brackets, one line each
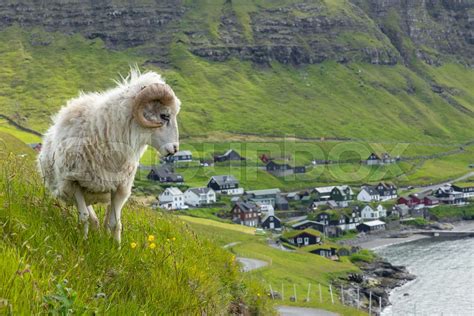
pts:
[83, 211]
[114, 212]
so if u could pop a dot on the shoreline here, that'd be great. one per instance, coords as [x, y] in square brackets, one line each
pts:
[387, 238]
[381, 242]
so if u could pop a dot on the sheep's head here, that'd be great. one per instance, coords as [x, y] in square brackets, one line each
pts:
[156, 107]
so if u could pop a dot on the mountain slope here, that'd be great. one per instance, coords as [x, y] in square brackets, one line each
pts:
[357, 69]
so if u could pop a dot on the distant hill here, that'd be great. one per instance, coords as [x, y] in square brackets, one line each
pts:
[360, 69]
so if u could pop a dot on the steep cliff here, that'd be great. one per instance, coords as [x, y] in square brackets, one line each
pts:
[290, 32]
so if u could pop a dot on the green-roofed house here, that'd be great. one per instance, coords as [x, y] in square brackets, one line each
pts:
[467, 188]
[303, 237]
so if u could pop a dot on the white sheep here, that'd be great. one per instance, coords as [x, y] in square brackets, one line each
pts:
[91, 152]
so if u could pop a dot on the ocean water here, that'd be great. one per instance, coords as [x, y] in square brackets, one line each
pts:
[445, 277]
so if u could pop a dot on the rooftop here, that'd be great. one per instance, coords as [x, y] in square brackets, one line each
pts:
[224, 179]
[295, 233]
[373, 223]
[203, 190]
[263, 192]
[174, 191]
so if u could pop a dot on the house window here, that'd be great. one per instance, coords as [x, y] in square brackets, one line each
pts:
[299, 240]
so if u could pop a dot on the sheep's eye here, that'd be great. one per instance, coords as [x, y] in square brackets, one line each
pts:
[165, 117]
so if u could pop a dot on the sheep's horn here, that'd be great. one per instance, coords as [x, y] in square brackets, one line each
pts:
[155, 92]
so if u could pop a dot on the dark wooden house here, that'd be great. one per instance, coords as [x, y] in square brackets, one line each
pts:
[225, 184]
[271, 222]
[303, 238]
[165, 174]
[309, 224]
[326, 252]
[372, 226]
[227, 156]
[281, 170]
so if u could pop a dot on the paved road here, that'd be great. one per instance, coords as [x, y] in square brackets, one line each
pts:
[232, 244]
[249, 264]
[436, 186]
[303, 311]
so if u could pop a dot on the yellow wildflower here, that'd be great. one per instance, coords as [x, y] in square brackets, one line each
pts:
[133, 245]
[151, 238]
[173, 239]
[152, 245]
[167, 239]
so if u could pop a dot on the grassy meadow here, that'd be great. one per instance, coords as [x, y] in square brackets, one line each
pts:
[292, 269]
[354, 100]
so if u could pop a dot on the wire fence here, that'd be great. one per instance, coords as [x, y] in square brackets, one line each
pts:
[327, 294]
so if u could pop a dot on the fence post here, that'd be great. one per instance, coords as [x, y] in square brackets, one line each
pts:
[271, 292]
[358, 298]
[342, 294]
[309, 290]
[380, 305]
[282, 292]
[294, 291]
[320, 294]
[370, 303]
[330, 290]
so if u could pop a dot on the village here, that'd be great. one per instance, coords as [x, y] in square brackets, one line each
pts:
[312, 219]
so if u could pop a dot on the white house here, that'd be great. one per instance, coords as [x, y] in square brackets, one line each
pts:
[382, 211]
[172, 199]
[199, 196]
[368, 194]
[266, 209]
[370, 213]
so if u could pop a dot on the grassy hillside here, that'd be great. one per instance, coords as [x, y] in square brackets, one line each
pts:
[290, 269]
[354, 100]
[163, 267]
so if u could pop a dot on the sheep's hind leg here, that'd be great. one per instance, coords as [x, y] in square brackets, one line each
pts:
[83, 211]
[93, 219]
[109, 220]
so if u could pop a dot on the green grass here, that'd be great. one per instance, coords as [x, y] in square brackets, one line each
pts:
[353, 100]
[25, 137]
[209, 213]
[364, 255]
[449, 212]
[47, 268]
[10, 145]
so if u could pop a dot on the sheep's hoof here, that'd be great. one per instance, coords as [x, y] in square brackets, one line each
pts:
[95, 223]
